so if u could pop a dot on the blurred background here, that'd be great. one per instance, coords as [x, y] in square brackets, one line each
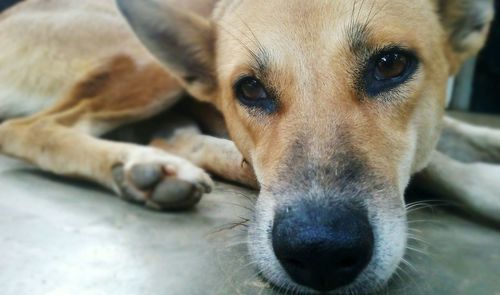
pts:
[477, 87]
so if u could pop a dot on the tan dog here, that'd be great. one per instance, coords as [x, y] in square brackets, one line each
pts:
[334, 104]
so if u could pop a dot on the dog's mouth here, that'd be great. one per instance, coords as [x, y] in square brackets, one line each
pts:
[311, 246]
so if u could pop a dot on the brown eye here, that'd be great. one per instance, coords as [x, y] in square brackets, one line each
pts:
[251, 93]
[250, 89]
[390, 66]
[389, 69]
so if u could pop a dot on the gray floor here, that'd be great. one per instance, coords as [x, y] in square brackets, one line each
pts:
[65, 237]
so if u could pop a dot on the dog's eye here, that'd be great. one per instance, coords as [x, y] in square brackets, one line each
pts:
[388, 70]
[250, 89]
[251, 93]
[391, 66]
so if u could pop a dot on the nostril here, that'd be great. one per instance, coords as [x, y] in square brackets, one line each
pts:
[294, 263]
[346, 263]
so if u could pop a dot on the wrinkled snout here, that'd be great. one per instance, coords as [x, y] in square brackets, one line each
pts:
[322, 247]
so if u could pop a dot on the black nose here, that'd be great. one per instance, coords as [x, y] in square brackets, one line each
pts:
[321, 247]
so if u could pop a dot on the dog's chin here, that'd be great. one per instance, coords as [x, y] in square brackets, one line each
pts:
[390, 232]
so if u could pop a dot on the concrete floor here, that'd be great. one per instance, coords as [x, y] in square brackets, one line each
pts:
[66, 237]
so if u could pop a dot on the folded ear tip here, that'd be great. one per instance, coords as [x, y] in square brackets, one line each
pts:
[128, 7]
[134, 10]
[124, 6]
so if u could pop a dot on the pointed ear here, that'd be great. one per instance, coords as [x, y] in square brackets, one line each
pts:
[467, 24]
[183, 41]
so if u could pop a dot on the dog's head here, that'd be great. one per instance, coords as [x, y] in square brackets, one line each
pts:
[335, 104]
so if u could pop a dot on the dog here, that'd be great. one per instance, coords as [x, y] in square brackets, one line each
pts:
[330, 106]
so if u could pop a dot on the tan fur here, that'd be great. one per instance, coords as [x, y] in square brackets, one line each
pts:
[324, 86]
[73, 70]
[86, 86]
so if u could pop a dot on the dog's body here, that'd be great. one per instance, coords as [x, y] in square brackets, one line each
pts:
[322, 135]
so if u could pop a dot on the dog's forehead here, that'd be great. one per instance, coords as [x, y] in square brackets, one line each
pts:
[316, 12]
[296, 34]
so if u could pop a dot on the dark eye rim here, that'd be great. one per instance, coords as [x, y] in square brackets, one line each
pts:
[375, 87]
[268, 105]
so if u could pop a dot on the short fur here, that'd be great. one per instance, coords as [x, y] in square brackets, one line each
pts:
[65, 81]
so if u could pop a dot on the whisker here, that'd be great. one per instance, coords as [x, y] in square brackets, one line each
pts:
[412, 279]
[256, 40]
[232, 226]
[424, 221]
[417, 250]
[232, 245]
[407, 263]
[415, 230]
[427, 204]
[237, 205]
[419, 240]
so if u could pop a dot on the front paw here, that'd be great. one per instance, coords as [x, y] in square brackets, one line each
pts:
[161, 181]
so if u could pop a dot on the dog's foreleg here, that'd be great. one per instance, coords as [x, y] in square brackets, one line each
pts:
[475, 186]
[216, 155]
[469, 143]
[61, 140]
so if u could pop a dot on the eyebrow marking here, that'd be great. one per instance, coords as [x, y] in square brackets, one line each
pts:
[260, 58]
[261, 62]
[358, 36]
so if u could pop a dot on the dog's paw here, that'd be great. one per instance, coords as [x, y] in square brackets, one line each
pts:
[161, 181]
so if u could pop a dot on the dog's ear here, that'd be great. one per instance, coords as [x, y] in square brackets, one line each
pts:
[467, 24]
[182, 40]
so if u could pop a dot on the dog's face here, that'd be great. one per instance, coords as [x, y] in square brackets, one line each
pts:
[335, 104]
